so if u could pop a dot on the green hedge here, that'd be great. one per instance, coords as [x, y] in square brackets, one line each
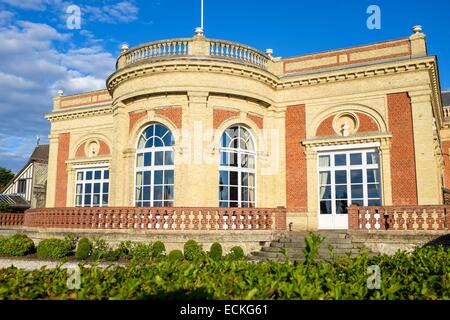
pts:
[192, 250]
[84, 249]
[16, 245]
[422, 274]
[53, 248]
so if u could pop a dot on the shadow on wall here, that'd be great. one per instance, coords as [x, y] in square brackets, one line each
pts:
[442, 240]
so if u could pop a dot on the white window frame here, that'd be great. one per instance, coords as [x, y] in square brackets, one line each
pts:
[152, 168]
[240, 152]
[102, 181]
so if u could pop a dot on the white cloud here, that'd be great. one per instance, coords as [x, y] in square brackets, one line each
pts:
[32, 68]
[5, 17]
[27, 4]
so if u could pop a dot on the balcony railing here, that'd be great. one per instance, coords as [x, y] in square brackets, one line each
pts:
[11, 219]
[158, 218]
[446, 112]
[413, 218]
[193, 47]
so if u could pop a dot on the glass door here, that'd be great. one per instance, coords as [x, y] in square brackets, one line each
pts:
[347, 177]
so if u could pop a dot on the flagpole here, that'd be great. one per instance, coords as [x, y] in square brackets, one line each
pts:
[202, 15]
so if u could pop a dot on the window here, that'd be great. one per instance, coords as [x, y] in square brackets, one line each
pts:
[92, 187]
[22, 186]
[155, 167]
[237, 168]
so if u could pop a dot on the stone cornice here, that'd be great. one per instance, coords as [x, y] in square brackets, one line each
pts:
[79, 113]
[336, 141]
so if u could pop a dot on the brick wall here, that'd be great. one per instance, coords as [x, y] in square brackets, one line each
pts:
[296, 185]
[403, 164]
[220, 116]
[172, 113]
[61, 170]
[446, 157]
[366, 124]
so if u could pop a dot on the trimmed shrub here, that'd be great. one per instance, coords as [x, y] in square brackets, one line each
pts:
[53, 249]
[84, 249]
[216, 251]
[17, 245]
[192, 250]
[141, 251]
[124, 248]
[158, 249]
[236, 253]
[99, 249]
[5, 208]
[175, 255]
[112, 255]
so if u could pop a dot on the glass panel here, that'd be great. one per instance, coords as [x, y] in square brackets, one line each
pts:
[78, 201]
[146, 204]
[141, 143]
[105, 187]
[233, 178]
[372, 175]
[96, 200]
[147, 159]
[373, 190]
[97, 175]
[87, 200]
[147, 180]
[168, 177]
[251, 180]
[88, 188]
[356, 159]
[96, 187]
[244, 181]
[341, 206]
[104, 200]
[225, 140]
[160, 130]
[244, 194]
[139, 193]
[80, 176]
[234, 143]
[168, 139]
[325, 177]
[233, 160]
[340, 159]
[158, 177]
[150, 131]
[159, 158]
[358, 202]
[106, 174]
[224, 158]
[158, 142]
[340, 177]
[168, 192]
[244, 161]
[223, 204]
[324, 161]
[251, 161]
[341, 192]
[138, 178]
[223, 193]
[169, 158]
[357, 191]
[146, 193]
[140, 160]
[374, 202]
[325, 192]
[79, 189]
[158, 193]
[223, 177]
[233, 193]
[150, 143]
[325, 207]
[234, 205]
[356, 176]
[88, 175]
[251, 195]
[373, 158]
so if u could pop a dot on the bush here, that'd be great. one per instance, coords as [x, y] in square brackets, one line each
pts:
[158, 249]
[84, 249]
[5, 208]
[175, 255]
[17, 245]
[99, 249]
[112, 255]
[53, 248]
[236, 253]
[192, 250]
[141, 251]
[216, 251]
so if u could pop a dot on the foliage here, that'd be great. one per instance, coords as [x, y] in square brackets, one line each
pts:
[176, 255]
[236, 253]
[112, 255]
[192, 250]
[312, 244]
[5, 207]
[158, 250]
[5, 177]
[422, 274]
[53, 248]
[215, 252]
[141, 251]
[84, 249]
[16, 245]
[99, 249]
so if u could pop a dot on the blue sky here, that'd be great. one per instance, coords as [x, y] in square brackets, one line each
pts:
[39, 55]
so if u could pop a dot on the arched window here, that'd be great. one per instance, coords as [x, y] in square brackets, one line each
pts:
[237, 168]
[155, 167]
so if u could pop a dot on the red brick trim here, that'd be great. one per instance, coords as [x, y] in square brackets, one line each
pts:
[256, 119]
[325, 128]
[104, 149]
[61, 170]
[366, 124]
[296, 170]
[80, 151]
[174, 114]
[220, 115]
[403, 163]
[134, 118]
[85, 95]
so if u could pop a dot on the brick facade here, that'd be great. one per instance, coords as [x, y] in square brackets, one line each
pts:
[174, 114]
[446, 157]
[403, 164]
[296, 170]
[366, 124]
[61, 170]
[219, 116]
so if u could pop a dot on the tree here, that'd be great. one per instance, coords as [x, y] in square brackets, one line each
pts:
[5, 177]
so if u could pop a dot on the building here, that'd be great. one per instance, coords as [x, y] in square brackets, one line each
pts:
[30, 183]
[205, 123]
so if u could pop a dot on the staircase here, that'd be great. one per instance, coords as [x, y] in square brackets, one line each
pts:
[293, 243]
